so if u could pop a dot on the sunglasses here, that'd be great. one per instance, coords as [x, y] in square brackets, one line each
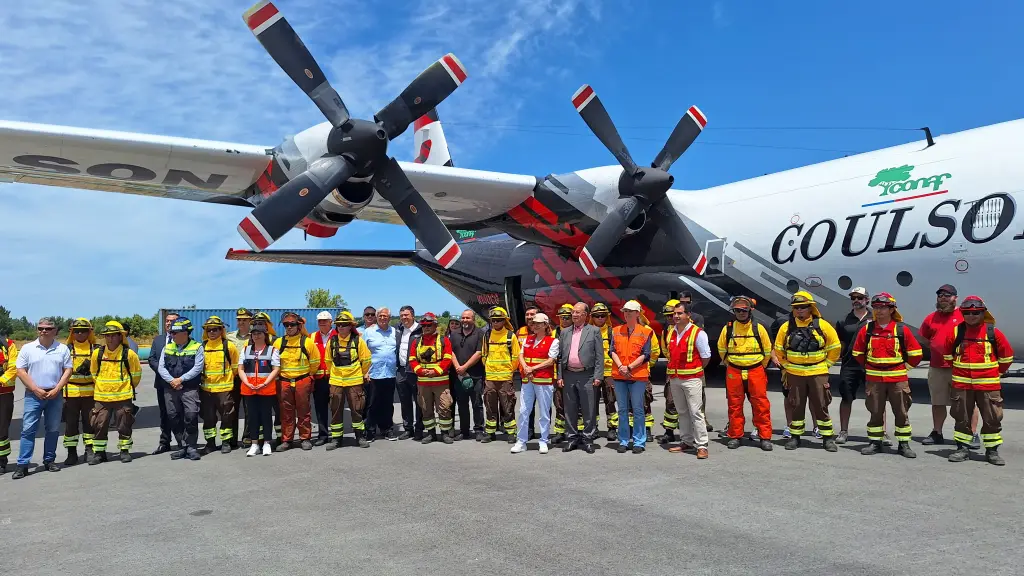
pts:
[290, 324]
[738, 310]
[45, 328]
[368, 314]
[492, 320]
[945, 295]
[214, 329]
[858, 298]
[972, 312]
[80, 331]
[598, 315]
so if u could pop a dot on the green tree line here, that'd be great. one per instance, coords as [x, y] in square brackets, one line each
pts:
[22, 329]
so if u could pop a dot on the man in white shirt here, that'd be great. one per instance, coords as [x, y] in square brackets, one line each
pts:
[412, 416]
[44, 367]
[685, 377]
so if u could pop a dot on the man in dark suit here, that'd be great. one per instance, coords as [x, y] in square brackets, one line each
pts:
[155, 351]
[580, 372]
[405, 332]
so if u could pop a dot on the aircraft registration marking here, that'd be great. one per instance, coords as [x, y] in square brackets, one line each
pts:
[904, 199]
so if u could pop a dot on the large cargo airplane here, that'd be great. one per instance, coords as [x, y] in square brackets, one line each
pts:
[905, 219]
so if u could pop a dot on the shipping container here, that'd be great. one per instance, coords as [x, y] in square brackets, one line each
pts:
[200, 316]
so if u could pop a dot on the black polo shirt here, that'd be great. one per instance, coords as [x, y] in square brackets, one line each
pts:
[847, 329]
[463, 347]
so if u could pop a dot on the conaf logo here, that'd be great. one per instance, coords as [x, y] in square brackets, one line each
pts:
[898, 179]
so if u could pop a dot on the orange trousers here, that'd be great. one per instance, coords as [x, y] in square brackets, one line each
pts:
[751, 383]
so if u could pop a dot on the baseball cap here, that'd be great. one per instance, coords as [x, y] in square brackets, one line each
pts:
[540, 317]
[633, 305]
[325, 315]
[947, 288]
[859, 290]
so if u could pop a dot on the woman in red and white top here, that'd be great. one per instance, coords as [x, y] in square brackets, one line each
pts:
[537, 364]
[258, 366]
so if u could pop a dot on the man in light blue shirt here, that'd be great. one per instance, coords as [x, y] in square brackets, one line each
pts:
[181, 366]
[380, 339]
[44, 367]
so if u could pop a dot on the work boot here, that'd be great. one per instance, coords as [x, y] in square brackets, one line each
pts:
[480, 436]
[405, 435]
[161, 448]
[993, 457]
[961, 454]
[361, 439]
[225, 448]
[830, 444]
[793, 443]
[320, 441]
[933, 438]
[558, 438]
[97, 457]
[872, 448]
[20, 472]
[306, 445]
[3, 464]
[612, 434]
[487, 438]
[428, 437]
[510, 437]
[88, 453]
[283, 447]
[210, 447]
[733, 443]
[334, 445]
[667, 437]
[178, 454]
[905, 450]
[843, 437]
[72, 458]
[766, 445]
[710, 427]
[448, 438]
[125, 457]
[192, 454]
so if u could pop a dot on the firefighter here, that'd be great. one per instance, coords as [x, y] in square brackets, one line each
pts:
[501, 357]
[300, 359]
[216, 398]
[116, 373]
[670, 421]
[885, 347]
[78, 399]
[745, 349]
[980, 354]
[805, 348]
[430, 357]
[240, 338]
[181, 366]
[599, 317]
[350, 369]
[8, 374]
[564, 321]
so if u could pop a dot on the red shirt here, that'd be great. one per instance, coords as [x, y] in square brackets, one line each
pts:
[935, 327]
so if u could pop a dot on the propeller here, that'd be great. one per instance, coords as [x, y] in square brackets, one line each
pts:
[640, 189]
[354, 147]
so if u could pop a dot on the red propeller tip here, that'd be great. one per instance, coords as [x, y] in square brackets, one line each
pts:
[455, 68]
[587, 262]
[261, 16]
[698, 116]
[701, 264]
[254, 234]
[582, 97]
[448, 255]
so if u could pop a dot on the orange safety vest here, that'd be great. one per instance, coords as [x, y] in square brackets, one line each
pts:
[536, 352]
[683, 359]
[323, 371]
[629, 347]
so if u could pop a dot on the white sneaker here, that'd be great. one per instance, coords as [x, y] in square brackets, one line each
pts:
[253, 450]
[754, 435]
[519, 447]
[267, 451]
[543, 448]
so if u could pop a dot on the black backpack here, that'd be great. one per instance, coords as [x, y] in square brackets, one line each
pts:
[801, 339]
[439, 346]
[756, 335]
[227, 358]
[124, 359]
[352, 349]
[302, 345]
[958, 338]
[900, 337]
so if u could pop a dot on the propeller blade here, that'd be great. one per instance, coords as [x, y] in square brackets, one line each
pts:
[665, 217]
[685, 132]
[286, 207]
[594, 114]
[608, 233]
[393, 185]
[422, 95]
[286, 48]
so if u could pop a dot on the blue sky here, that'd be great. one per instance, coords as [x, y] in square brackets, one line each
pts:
[191, 68]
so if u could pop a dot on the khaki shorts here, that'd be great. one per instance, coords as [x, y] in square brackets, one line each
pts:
[940, 380]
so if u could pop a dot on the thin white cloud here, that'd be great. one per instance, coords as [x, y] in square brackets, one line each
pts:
[191, 68]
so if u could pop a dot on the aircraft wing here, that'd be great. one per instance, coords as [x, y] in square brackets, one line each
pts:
[368, 259]
[220, 172]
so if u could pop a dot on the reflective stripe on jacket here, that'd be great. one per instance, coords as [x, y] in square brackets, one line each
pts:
[809, 363]
[977, 365]
[112, 381]
[431, 352]
[220, 363]
[80, 385]
[535, 353]
[629, 346]
[499, 363]
[881, 355]
[350, 363]
[684, 360]
[8, 366]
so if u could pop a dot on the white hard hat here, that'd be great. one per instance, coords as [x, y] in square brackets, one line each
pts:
[325, 315]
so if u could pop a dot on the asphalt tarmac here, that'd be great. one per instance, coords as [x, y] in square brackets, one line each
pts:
[467, 508]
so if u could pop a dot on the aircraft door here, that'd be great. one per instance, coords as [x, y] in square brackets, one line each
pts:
[715, 253]
[514, 300]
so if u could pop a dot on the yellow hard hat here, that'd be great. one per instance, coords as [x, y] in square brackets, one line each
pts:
[81, 324]
[211, 322]
[599, 307]
[499, 313]
[113, 327]
[265, 319]
[804, 298]
[669, 307]
[565, 310]
[345, 317]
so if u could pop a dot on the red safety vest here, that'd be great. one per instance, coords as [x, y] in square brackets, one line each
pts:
[323, 371]
[534, 353]
[683, 359]
[977, 361]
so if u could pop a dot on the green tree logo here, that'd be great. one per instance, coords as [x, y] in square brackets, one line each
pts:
[889, 176]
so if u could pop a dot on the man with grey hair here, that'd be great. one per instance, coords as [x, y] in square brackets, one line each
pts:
[380, 410]
[44, 367]
[580, 372]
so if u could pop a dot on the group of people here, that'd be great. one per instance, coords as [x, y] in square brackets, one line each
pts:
[570, 367]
